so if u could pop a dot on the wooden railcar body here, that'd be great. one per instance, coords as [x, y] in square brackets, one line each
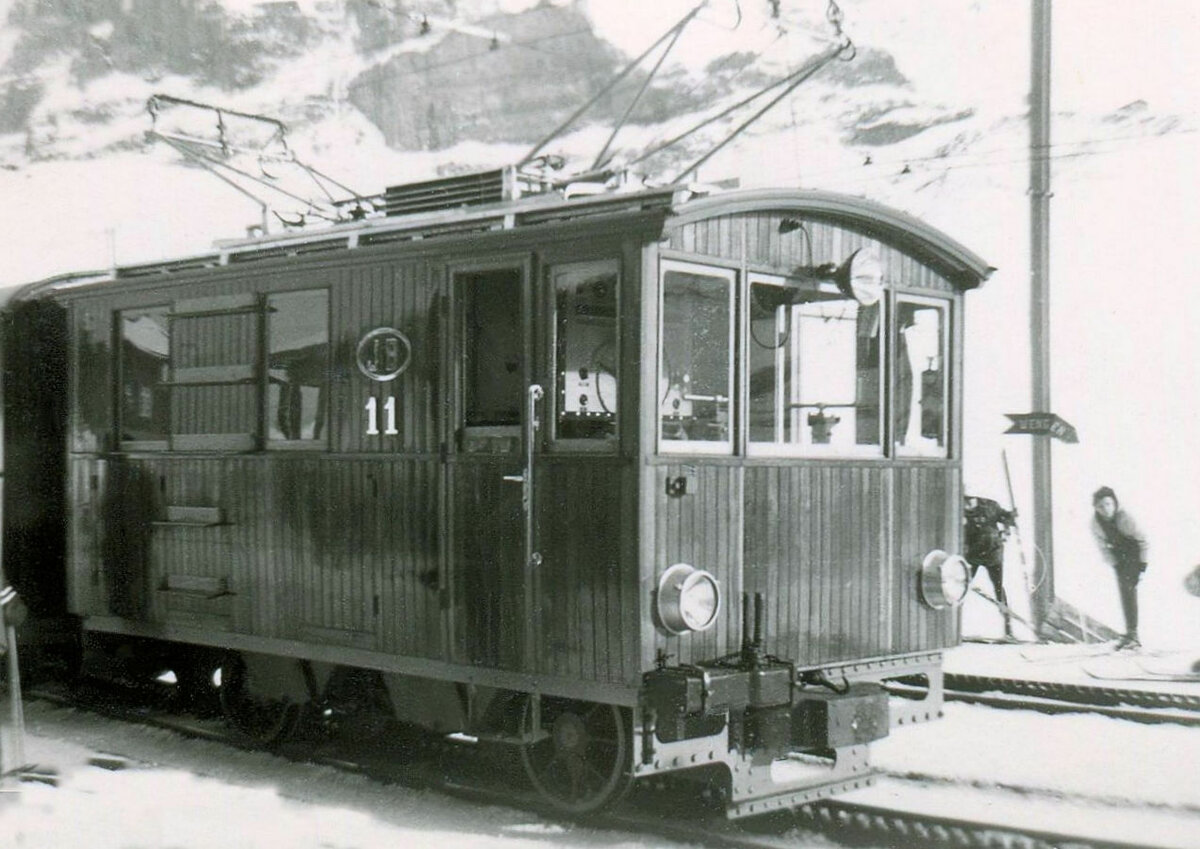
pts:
[239, 476]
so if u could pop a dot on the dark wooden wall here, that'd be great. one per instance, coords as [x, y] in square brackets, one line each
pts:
[287, 560]
[398, 544]
[341, 545]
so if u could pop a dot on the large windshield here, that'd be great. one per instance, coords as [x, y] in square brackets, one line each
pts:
[798, 366]
[815, 359]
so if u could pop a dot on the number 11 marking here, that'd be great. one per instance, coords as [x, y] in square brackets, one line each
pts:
[389, 412]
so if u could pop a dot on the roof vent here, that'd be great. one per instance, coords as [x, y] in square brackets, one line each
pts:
[455, 192]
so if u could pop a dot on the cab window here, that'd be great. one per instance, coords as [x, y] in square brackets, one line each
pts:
[695, 374]
[585, 350]
[815, 360]
[922, 386]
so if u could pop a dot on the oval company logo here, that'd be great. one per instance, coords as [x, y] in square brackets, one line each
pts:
[383, 354]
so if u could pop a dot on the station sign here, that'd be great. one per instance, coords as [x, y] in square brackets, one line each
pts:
[1042, 424]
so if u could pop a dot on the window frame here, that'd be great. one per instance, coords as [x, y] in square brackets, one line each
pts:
[118, 317]
[256, 440]
[946, 305]
[268, 442]
[476, 440]
[728, 446]
[799, 450]
[610, 444]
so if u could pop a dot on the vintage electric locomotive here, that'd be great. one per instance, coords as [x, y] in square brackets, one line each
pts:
[636, 482]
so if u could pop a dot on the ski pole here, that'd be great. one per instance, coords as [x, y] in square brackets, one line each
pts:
[1025, 570]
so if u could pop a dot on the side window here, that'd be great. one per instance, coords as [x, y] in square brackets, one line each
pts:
[585, 350]
[298, 367]
[922, 382]
[816, 356]
[145, 357]
[695, 373]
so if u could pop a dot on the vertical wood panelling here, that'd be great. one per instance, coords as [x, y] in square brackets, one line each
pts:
[766, 247]
[347, 548]
[210, 341]
[395, 295]
[832, 546]
[92, 379]
[923, 500]
[580, 615]
[86, 592]
[306, 546]
[488, 563]
[813, 548]
[701, 528]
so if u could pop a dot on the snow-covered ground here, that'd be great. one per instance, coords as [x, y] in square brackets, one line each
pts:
[190, 794]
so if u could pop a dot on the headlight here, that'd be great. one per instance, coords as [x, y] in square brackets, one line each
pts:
[688, 599]
[945, 579]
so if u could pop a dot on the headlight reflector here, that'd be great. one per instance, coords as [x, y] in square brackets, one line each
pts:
[945, 579]
[688, 599]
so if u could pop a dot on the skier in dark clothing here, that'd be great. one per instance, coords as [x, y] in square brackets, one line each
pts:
[987, 527]
[1124, 548]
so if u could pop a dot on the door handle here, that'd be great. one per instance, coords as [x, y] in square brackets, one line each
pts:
[532, 396]
[514, 478]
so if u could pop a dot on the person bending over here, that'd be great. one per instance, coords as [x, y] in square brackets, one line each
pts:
[1123, 546]
[987, 527]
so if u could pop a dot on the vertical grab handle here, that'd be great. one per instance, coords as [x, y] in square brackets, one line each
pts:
[532, 425]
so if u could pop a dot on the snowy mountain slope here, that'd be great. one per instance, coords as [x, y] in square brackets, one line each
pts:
[929, 118]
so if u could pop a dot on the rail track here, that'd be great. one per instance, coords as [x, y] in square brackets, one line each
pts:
[1055, 697]
[423, 762]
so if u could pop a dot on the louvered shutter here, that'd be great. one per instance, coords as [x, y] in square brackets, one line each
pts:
[214, 373]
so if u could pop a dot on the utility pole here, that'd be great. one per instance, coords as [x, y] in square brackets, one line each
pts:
[1039, 305]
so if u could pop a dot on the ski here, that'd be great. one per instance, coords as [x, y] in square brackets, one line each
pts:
[1183, 677]
[1144, 667]
[1183, 667]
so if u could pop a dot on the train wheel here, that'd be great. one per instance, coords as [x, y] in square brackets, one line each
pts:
[583, 763]
[268, 721]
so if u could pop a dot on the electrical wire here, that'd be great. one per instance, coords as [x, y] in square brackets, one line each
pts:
[655, 144]
[988, 157]
[671, 33]
[936, 174]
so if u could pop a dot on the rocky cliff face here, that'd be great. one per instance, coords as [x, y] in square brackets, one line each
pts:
[420, 99]
[70, 70]
[198, 39]
[431, 100]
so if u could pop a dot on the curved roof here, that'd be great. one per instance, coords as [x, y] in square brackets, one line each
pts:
[26, 291]
[961, 265]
